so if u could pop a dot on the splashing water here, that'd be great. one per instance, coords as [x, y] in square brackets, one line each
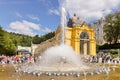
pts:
[63, 23]
[58, 58]
[62, 55]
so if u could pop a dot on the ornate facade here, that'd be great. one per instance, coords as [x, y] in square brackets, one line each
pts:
[77, 34]
[80, 36]
[98, 28]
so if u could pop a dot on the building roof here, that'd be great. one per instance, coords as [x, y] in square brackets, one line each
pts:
[75, 21]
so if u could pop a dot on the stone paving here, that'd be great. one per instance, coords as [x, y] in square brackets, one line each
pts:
[7, 72]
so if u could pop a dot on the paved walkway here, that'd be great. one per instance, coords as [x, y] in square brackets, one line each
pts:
[7, 72]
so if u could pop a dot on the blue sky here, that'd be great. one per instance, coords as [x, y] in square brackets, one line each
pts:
[32, 11]
[33, 17]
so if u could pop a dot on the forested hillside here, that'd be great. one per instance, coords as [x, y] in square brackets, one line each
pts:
[20, 39]
[9, 41]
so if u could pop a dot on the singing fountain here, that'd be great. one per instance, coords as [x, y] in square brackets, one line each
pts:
[61, 60]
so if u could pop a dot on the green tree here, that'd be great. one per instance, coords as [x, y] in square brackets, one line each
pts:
[112, 28]
[20, 39]
[6, 45]
[36, 39]
[1, 37]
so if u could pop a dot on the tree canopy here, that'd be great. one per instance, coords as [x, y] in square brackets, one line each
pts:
[37, 40]
[112, 28]
[10, 41]
[6, 43]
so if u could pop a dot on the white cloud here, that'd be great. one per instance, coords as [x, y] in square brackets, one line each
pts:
[89, 9]
[46, 3]
[23, 27]
[47, 30]
[18, 15]
[33, 17]
[54, 11]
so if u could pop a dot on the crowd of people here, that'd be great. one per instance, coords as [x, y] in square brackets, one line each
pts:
[16, 59]
[100, 58]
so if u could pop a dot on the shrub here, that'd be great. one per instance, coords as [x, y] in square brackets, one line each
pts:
[114, 52]
[110, 46]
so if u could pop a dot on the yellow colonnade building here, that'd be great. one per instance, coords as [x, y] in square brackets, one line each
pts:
[78, 35]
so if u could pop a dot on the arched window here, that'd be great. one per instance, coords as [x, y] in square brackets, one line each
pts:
[84, 35]
[84, 43]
